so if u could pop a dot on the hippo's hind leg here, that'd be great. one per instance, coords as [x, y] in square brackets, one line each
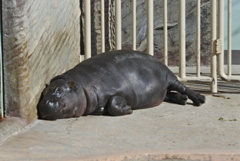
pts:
[197, 98]
[175, 97]
[117, 106]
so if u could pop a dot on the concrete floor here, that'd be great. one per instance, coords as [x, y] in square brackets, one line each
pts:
[167, 132]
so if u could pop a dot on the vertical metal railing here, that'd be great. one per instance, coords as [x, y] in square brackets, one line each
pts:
[182, 40]
[198, 39]
[150, 17]
[102, 26]
[229, 38]
[2, 101]
[87, 28]
[134, 25]
[182, 44]
[213, 45]
[165, 30]
[118, 24]
[221, 38]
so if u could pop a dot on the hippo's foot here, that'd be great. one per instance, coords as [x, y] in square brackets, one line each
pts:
[197, 98]
[177, 98]
[117, 106]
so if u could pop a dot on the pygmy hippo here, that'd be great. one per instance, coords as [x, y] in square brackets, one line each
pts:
[113, 83]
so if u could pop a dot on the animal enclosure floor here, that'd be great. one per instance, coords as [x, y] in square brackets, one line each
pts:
[165, 132]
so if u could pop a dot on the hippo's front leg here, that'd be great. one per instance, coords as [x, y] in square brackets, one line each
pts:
[117, 106]
[99, 111]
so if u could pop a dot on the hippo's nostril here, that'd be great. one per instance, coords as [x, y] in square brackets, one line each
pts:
[54, 105]
[51, 104]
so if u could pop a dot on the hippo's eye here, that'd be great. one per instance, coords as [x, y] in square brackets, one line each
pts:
[59, 92]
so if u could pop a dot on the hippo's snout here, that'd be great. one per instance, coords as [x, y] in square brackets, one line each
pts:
[53, 106]
[49, 109]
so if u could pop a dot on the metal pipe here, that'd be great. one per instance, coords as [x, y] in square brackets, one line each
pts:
[118, 24]
[102, 26]
[222, 74]
[189, 78]
[2, 95]
[87, 28]
[134, 32]
[150, 17]
[198, 38]
[165, 30]
[221, 37]
[213, 40]
[229, 37]
[182, 35]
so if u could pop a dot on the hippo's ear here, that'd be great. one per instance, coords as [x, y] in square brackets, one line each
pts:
[71, 84]
[45, 88]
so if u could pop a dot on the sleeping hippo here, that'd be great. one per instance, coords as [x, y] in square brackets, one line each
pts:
[113, 83]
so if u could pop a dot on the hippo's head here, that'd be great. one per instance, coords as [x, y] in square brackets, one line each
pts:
[59, 100]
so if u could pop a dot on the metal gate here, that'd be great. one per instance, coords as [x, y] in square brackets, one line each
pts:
[217, 66]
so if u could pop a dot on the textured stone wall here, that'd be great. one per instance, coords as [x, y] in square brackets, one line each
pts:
[173, 39]
[41, 39]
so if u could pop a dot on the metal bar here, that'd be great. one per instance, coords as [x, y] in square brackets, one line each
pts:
[229, 37]
[118, 24]
[2, 101]
[213, 38]
[221, 36]
[102, 26]
[182, 35]
[134, 32]
[150, 26]
[198, 38]
[87, 28]
[201, 78]
[165, 30]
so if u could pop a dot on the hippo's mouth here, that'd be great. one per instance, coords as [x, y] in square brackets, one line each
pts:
[63, 113]
[49, 116]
